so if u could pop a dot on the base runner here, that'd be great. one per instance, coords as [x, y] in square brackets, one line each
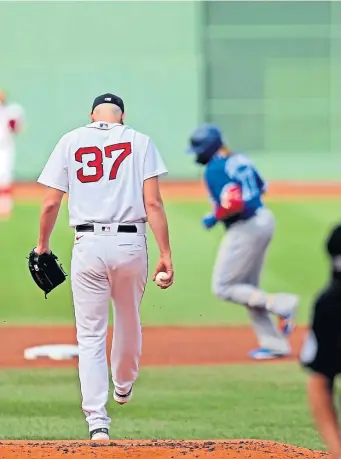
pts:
[111, 173]
[236, 188]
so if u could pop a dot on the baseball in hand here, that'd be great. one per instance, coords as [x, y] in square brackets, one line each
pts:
[159, 278]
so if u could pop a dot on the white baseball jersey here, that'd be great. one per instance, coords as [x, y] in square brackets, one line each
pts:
[9, 114]
[11, 119]
[103, 166]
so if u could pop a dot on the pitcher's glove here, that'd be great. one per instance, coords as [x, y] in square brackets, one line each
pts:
[45, 270]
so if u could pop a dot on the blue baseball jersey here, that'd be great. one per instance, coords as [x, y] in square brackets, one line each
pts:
[235, 169]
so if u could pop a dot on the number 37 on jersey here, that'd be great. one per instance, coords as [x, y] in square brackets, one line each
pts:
[92, 161]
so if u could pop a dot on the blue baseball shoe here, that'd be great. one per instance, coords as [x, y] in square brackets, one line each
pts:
[266, 354]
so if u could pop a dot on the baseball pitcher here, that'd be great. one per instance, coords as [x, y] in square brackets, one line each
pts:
[236, 188]
[11, 120]
[111, 174]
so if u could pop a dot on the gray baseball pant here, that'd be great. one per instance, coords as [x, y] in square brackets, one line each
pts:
[237, 273]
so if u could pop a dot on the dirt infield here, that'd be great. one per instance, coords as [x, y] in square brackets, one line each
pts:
[238, 449]
[162, 346]
[195, 190]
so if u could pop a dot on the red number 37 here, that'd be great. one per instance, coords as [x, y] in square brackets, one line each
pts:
[97, 163]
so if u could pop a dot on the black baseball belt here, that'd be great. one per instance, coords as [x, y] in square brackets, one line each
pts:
[120, 228]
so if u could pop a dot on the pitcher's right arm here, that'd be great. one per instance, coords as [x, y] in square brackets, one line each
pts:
[157, 220]
[156, 215]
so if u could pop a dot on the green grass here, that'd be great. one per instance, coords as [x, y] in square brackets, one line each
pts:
[260, 401]
[295, 263]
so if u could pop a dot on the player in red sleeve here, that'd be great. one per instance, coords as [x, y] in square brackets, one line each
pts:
[11, 120]
[236, 191]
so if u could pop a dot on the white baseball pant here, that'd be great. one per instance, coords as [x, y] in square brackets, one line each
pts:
[6, 167]
[6, 179]
[107, 264]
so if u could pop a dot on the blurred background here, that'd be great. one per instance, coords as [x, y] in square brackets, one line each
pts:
[268, 72]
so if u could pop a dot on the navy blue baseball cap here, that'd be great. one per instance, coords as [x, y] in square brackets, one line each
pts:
[204, 137]
[108, 99]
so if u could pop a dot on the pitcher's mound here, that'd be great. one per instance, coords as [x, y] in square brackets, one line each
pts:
[247, 449]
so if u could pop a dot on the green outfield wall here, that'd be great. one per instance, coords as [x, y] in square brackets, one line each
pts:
[273, 82]
[267, 72]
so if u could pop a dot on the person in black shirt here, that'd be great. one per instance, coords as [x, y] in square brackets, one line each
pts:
[321, 351]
